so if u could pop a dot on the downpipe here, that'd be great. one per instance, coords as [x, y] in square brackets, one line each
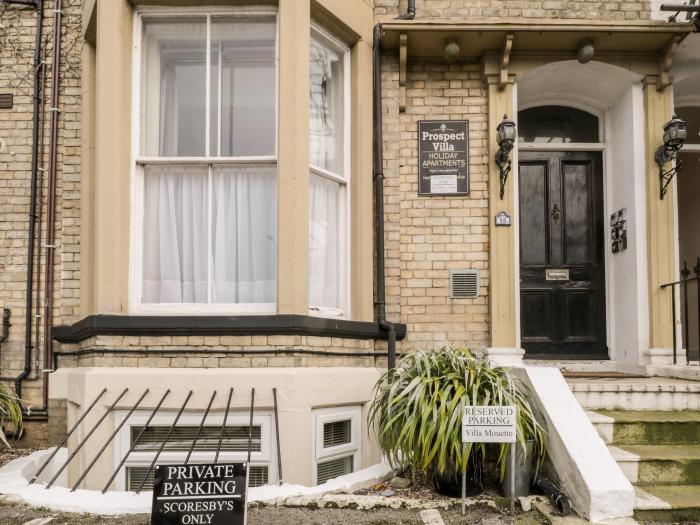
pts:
[378, 175]
[36, 98]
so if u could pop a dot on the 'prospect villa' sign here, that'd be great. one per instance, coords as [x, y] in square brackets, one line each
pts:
[212, 494]
[443, 157]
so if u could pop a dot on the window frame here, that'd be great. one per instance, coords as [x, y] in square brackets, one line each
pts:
[344, 181]
[138, 161]
[265, 458]
[354, 448]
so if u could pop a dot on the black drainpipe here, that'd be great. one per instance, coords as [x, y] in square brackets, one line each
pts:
[37, 5]
[410, 11]
[378, 170]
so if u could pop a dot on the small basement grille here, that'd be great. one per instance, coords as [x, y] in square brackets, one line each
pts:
[257, 477]
[464, 284]
[333, 468]
[336, 433]
[235, 438]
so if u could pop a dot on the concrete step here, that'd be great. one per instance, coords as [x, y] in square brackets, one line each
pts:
[644, 393]
[668, 503]
[660, 464]
[648, 427]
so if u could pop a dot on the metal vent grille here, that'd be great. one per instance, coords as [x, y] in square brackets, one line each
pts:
[333, 468]
[6, 100]
[258, 476]
[235, 438]
[336, 433]
[464, 284]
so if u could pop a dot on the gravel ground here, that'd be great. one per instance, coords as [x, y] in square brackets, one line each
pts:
[18, 514]
[13, 513]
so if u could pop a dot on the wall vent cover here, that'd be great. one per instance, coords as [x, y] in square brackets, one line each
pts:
[5, 100]
[464, 284]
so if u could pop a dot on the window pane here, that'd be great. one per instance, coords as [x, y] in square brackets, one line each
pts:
[244, 234]
[556, 125]
[175, 234]
[173, 102]
[243, 74]
[327, 206]
[691, 115]
[326, 125]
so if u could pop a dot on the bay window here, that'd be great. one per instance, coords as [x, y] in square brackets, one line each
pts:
[329, 174]
[205, 204]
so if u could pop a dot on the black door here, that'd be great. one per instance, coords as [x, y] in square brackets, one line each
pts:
[562, 266]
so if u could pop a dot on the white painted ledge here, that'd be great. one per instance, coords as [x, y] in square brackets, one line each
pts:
[504, 356]
[659, 356]
[587, 472]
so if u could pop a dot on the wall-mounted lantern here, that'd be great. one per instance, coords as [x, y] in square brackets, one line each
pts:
[675, 132]
[505, 136]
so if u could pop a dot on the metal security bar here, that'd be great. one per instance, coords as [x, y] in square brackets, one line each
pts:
[158, 437]
[682, 287]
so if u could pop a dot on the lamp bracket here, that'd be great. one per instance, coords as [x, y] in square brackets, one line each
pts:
[662, 156]
[504, 164]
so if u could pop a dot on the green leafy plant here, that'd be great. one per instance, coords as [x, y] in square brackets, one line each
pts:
[417, 411]
[10, 411]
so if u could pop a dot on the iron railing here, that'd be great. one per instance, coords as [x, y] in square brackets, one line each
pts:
[689, 319]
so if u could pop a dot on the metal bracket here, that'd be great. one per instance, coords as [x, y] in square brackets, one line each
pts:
[505, 61]
[666, 176]
[665, 63]
[403, 58]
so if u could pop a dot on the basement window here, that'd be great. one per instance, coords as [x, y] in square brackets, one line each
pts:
[337, 442]
[234, 445]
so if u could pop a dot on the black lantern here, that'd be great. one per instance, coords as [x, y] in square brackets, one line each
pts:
[675, 133]
[505, 136]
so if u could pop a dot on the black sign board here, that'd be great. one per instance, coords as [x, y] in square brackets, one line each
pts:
[202, 494]
[443, 157]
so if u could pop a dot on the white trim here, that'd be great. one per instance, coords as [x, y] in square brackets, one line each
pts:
[263, 159]
[343, 180]
[136, 306]
[321, 454]
[562, 146]
[266, 456]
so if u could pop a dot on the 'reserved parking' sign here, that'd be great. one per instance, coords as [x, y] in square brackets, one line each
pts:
[488, 424]
[203, 494]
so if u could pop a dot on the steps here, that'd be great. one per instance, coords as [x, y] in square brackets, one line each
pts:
[640, 393]
[659, 452]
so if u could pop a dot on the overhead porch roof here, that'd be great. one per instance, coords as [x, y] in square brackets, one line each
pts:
[427, 38]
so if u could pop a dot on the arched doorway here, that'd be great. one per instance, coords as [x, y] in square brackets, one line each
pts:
[688, 186]
[562, 238]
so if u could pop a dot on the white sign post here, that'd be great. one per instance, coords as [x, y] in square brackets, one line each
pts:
[489, 424]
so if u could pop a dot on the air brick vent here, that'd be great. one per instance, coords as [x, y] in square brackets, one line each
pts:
[464, 284]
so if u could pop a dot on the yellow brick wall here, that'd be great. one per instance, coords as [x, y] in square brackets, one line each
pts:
[427, 236]
[519, 10]
[17, 30]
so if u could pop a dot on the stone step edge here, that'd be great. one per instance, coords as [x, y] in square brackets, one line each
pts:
[641, 389]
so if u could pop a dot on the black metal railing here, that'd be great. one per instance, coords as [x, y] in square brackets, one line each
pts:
[690, 320]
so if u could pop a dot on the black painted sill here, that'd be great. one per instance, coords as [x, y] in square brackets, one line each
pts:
[277, 324]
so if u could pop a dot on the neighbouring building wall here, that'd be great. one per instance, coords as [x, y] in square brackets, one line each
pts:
[426, 237]
[619, 10]
[17, 34]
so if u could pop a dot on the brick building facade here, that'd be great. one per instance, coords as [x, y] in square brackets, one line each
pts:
[513, 55]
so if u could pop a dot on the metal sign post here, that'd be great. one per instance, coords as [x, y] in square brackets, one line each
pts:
[489, 424]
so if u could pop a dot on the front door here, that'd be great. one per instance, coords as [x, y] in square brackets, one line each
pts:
[562, 266]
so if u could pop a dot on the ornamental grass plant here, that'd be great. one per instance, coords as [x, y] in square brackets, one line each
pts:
[10, 411]
[417, 413]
